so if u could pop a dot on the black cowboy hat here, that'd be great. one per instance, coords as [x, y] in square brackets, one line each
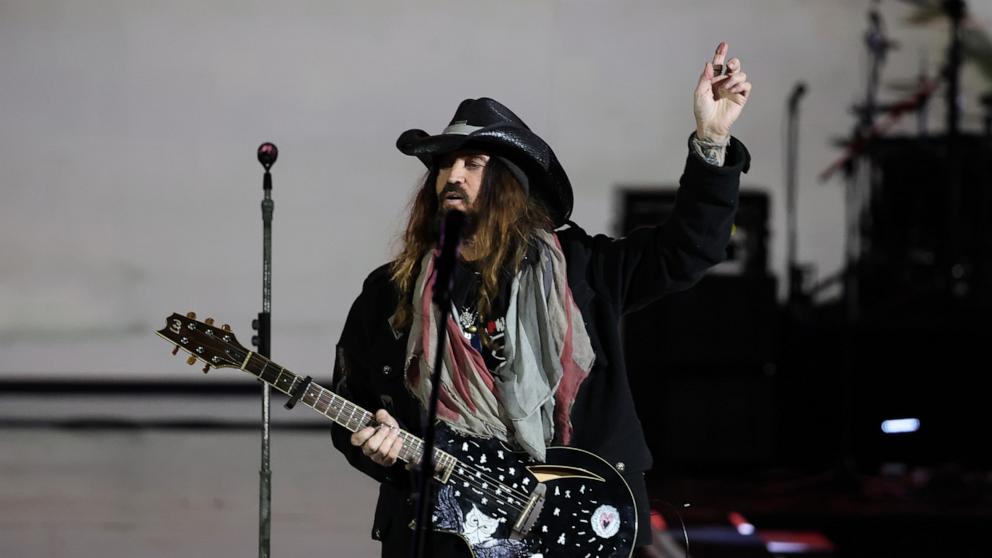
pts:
[489, 126]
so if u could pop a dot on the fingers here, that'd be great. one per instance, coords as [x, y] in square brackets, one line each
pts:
[709, 80]
[733, 80]
[382, 443]
[721, 52]
[741, 97]
[733, 66]
[359, 438]
[384, 446]
[735, 83]
[383, 417]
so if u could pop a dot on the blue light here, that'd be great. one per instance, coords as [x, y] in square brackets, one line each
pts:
[900, 426]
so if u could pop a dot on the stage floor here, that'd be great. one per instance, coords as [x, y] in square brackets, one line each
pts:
[156, 493]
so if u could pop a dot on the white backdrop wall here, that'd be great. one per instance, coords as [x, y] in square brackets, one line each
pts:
[128, 132]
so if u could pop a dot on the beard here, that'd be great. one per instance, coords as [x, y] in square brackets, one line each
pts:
[471, 211]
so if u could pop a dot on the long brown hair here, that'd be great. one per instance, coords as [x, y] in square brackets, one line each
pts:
[505, 219]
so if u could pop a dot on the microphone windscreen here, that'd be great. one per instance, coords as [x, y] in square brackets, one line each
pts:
[267, 154]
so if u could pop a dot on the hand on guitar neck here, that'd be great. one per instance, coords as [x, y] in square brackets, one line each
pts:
[382, 443]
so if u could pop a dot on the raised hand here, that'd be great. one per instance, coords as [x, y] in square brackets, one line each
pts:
[719, 99]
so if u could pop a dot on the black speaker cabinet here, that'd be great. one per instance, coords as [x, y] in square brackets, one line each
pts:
[747, 253]
[702, 362]
[927, 231]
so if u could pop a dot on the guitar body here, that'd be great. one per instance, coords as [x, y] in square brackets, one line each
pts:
[500, 502]
[587, 509]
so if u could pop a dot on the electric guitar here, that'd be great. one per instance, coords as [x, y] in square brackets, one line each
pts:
[501, 502]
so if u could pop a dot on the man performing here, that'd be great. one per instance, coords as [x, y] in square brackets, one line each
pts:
[534, 359]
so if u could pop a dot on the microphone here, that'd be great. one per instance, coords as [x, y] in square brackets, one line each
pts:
[797, 92]
[444, 263]
[267, 154]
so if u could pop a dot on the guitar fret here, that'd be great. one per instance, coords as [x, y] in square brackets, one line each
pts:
[247, 358]
[364, 418]
[352, 415]
[266, 370]
[316, 398]
[336, 404]
[280, 382]
[309, 398]
[292, 381]
[337, 408]
[261, 373]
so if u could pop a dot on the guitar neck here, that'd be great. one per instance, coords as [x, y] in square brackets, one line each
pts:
[333, 406]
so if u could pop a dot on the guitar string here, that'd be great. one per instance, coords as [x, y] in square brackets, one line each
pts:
[483, 487]
[477, 472]
[493, 499]
[456, 464]
[330, 395]
[482, 475]
[480, 480]
[325, 398]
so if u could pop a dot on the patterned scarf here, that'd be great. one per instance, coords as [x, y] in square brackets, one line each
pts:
[548, 355]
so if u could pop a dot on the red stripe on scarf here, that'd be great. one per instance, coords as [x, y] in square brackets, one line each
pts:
[572, 375]
[464, 358]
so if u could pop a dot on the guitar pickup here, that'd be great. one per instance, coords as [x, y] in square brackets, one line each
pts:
[525, 521]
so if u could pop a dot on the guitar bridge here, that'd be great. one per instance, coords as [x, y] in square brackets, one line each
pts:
[525, 521]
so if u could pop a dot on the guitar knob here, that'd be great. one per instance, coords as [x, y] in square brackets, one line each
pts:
[209, 321]
[175, 350]
[226, 327]
[206, 369]
[191, 315]
[254, 324]
[191, 360]
[254, 340]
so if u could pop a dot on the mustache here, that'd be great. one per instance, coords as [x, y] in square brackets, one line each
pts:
[452, 188]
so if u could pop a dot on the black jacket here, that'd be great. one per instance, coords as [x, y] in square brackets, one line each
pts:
[608, 278]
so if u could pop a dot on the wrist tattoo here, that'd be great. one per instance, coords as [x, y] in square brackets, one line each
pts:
[712, 152]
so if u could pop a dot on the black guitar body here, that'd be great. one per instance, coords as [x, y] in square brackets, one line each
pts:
[501, 503]
[587, 509]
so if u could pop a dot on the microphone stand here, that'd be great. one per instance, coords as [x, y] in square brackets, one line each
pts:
[796, 272]
[955, 267]
[267, 155]
[444, 265]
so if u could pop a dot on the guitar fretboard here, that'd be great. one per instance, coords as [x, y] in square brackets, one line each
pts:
[339, 409]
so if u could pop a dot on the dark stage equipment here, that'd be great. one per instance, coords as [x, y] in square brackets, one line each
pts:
[703, 361]
[927, 231]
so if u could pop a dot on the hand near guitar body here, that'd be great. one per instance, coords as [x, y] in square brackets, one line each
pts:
[382, 443]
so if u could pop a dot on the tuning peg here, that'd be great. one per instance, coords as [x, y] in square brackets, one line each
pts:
[226, 327]
[254, 340]
[254, 324]
[191, 360]
[175, 350]
[209, 321]
[206, 369]
[191, 315]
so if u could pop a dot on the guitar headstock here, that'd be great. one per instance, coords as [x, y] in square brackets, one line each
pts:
[215, 346]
